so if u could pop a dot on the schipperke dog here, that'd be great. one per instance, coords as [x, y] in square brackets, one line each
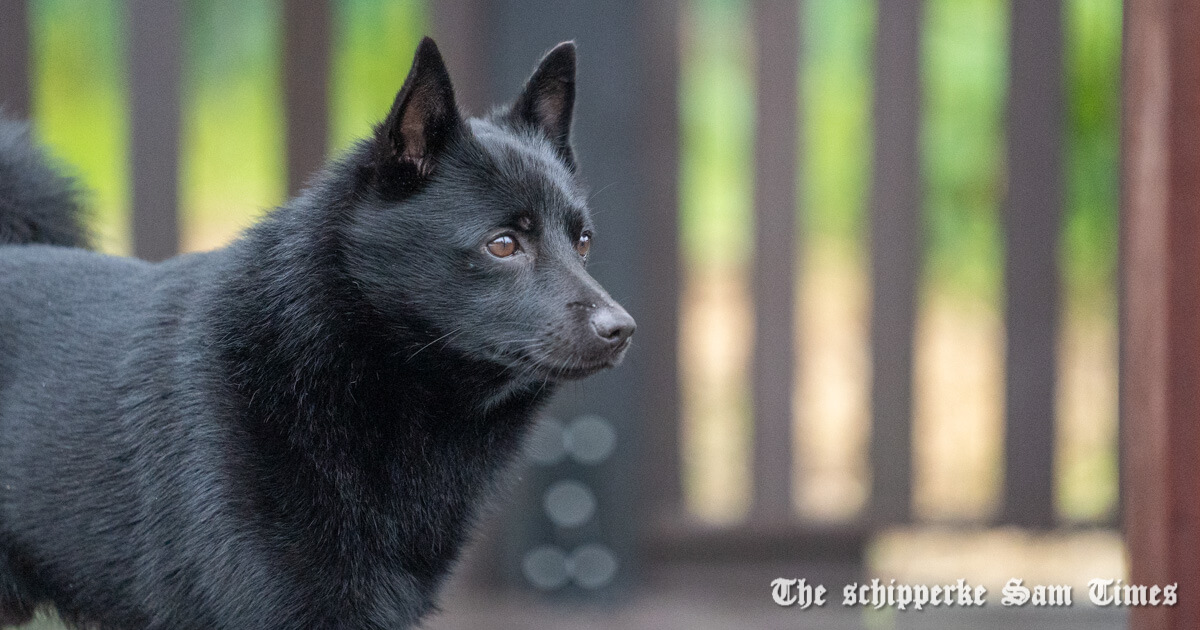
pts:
[297, 430]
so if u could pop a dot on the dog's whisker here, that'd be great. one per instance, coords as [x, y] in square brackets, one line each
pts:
[410, 357]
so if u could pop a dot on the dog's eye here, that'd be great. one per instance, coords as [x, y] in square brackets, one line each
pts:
[502, 246]
[584, 243]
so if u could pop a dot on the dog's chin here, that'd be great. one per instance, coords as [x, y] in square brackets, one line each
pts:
[567, 371]
[577, 368]
[555, 368]
[574, 373]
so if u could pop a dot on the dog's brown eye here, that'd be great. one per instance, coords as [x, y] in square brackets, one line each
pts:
[584, 243]
[502, 246]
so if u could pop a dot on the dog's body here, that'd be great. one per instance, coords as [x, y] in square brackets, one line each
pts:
[294, 431]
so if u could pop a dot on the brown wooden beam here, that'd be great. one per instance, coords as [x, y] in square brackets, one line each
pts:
[155, 66]
[776, 250]
[895, 240]
[14, 58]
[1160, 305]
[307, 46]
[1031, 227]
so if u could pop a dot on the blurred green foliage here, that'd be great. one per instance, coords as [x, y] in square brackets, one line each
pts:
[965, 72]
[836, 95]
[965, 76]
[79, 102]
[375, 43]
[717, 133]
[232, 146]
[1093, 79]
[964, 63]
[231, 165]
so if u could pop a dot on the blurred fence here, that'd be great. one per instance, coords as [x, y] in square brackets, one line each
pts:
[629, 138]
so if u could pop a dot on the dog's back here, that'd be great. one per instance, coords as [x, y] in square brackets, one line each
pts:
[63, 320]
[54, 289]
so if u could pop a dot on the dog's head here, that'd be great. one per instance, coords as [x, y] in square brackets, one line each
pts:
[473, 234]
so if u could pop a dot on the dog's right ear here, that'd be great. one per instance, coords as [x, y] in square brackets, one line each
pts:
[423, 119]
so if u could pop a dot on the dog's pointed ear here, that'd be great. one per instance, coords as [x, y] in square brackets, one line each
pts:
[547, 102]
[423, 118]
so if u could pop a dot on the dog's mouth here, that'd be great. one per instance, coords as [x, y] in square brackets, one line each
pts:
[572, 372]
[566, 369]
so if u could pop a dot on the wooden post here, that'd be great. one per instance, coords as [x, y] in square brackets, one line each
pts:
[777, 36]
[14, 58]
[1031, 226]
[155, 64]
[1160, 305]
[609, 122]
[658, 322]
[307, 41]
[462, 30]
[895, 243]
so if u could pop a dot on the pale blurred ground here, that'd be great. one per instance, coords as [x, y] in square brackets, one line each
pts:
[958, 416]
[736, 598]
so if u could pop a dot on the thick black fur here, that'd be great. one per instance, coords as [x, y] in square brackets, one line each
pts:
[37, 203]
[294, 431]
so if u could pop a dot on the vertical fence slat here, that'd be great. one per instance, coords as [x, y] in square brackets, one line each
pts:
[895, 239]
[307, 46]
[658, 322]
[610, 105]
[14, 58]
[155, 65]
[1160, 310]
[1031, 226]
[777, 35]
[463, 36]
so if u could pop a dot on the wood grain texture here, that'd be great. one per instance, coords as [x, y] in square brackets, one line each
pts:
[1160, 304]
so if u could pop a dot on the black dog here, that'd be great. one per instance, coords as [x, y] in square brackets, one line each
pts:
[294, 431]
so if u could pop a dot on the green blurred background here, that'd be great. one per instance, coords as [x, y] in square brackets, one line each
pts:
[232, 165]
[959, 389]
[232, 162]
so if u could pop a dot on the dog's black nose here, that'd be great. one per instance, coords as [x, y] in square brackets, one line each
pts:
[613, 324]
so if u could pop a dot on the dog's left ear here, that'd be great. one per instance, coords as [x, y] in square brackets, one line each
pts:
[548, 100]
[423, 117]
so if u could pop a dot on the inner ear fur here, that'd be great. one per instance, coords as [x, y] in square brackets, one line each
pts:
[423, 117]
[547, 102]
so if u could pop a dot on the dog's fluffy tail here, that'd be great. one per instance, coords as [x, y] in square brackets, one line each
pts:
[38, 204]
